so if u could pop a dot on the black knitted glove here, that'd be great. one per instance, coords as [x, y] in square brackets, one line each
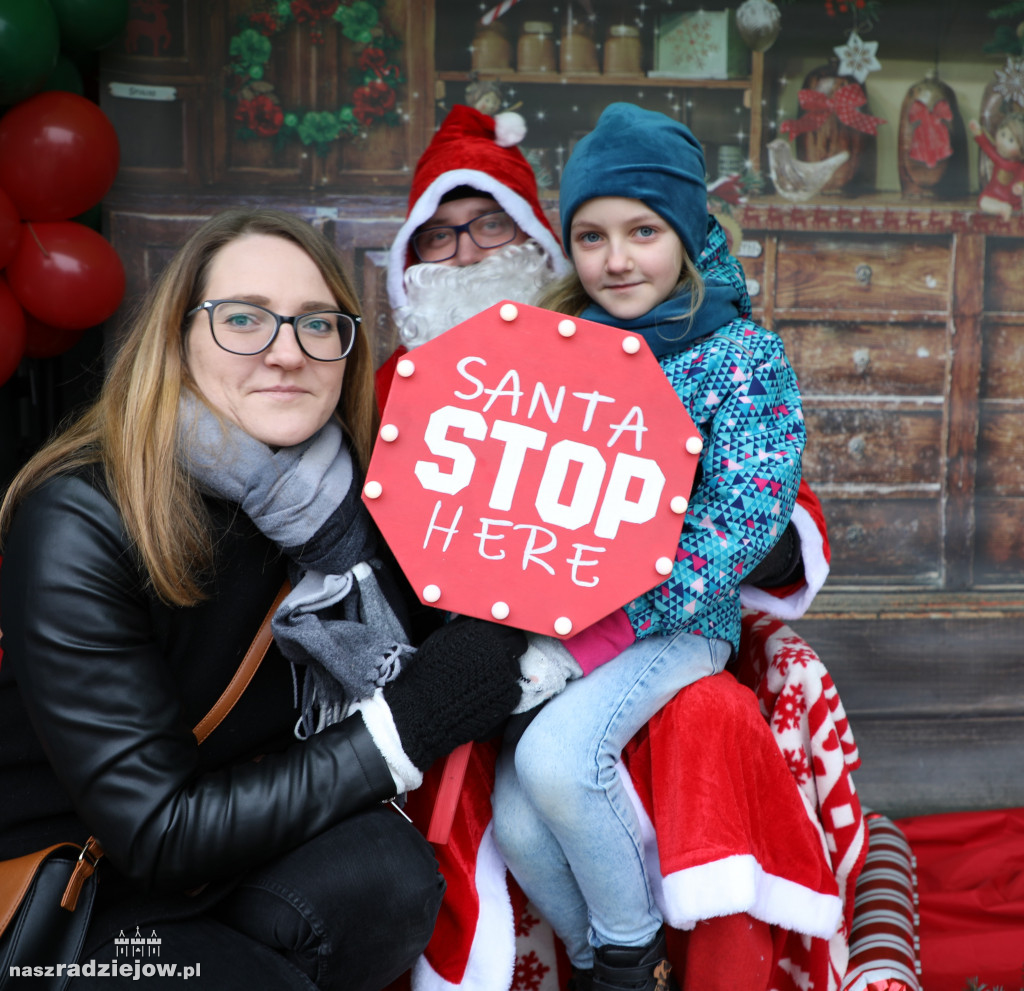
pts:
[783, 564]
[463, 682]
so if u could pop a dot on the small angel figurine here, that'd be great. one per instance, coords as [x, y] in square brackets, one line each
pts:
[484, 95]
[1002, 195]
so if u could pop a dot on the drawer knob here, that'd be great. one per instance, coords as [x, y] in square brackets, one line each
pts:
[863, 274]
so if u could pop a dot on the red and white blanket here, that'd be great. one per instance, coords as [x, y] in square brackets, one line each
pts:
[748, 807]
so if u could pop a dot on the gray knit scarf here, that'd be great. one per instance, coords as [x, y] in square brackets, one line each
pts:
[336, 623]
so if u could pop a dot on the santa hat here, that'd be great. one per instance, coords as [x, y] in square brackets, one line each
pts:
[475, 150]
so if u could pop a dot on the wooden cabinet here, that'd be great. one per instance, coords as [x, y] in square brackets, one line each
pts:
[906, 327]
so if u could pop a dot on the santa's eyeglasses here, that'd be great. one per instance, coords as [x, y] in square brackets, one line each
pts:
[489, 230]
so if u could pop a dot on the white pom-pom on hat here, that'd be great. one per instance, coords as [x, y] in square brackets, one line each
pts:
[509, 129]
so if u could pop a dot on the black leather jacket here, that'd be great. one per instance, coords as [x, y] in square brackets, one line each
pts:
[96, 736]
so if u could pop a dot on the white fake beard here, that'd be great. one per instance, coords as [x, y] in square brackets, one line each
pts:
[440, 296]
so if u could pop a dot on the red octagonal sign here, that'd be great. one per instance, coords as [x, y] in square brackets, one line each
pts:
[532, 469]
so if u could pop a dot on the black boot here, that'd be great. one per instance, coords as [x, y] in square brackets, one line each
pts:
[634, 968]
[581, 980]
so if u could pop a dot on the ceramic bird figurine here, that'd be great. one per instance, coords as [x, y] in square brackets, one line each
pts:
[796, 180]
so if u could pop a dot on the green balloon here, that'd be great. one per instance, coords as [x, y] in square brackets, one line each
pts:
[88, 25]
[29, 46]
[64, 77]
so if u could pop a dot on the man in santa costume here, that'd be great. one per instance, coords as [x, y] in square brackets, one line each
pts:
[476, 234]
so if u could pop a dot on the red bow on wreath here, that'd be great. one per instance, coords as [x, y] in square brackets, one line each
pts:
[930, 143]
[820, 106]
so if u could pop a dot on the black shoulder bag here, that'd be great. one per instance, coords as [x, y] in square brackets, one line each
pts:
[46, 897]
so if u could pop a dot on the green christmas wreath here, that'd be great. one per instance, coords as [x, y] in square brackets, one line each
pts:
[374, 78]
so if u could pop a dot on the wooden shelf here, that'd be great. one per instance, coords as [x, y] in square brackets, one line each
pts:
[599, 79]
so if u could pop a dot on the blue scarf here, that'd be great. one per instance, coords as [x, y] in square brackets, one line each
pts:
[666, 328]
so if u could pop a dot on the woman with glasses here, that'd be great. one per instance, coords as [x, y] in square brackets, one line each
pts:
[142, 547]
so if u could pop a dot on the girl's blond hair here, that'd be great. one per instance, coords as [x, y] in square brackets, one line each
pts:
[131, 428]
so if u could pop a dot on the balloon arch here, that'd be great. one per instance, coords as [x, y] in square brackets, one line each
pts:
[59, 155]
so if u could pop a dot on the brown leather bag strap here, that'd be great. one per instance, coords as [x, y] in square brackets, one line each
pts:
[240, 681]
[92, 851]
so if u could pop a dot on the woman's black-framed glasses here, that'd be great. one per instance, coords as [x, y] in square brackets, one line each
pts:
[489, 230]
[247, 328]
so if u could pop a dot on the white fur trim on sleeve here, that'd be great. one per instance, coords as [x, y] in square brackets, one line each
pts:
[794, 605]
[376, 714]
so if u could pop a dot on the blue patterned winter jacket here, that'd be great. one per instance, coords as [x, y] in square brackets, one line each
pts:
[741, 393]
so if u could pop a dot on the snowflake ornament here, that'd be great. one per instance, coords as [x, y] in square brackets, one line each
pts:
[857, 57]
[1010, 84]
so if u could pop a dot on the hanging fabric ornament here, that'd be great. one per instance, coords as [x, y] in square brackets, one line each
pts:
[932, 147]
[834, 117]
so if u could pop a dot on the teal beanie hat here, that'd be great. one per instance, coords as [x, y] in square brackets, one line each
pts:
[642, 155]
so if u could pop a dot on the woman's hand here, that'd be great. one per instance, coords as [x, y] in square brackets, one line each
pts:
[462, 684]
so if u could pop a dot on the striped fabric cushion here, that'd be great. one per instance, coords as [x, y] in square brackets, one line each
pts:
[884, 947]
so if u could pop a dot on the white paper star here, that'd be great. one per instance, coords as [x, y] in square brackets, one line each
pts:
[857, 57]
[1010, 85]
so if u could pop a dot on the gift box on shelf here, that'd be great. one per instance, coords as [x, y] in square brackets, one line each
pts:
[699, 44]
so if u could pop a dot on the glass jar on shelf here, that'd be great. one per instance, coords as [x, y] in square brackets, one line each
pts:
[623, 52]
[536, 49]
[491, 49]
[579, 52]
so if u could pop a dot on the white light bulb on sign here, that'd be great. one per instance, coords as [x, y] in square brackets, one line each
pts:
[563, 626]
[631, 345]
[389, 432]
[500, 610]
[405, 367]
[431, 593]
[566, 328]
[694, 445]
[508, 312]
[373, 490]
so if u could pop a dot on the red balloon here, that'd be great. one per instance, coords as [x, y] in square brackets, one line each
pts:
[12, 332]
[66, 275]
[42, 341]
[10, 229]
[58, 155]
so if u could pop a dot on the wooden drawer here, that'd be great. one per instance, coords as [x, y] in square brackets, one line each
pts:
[1000, 438]
[815, 272]
[879, 445]
[1002, 370]
[863, 359]
[883, 541]
[1004, 275]
[999, 541]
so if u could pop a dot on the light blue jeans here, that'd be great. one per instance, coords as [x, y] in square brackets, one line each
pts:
[562, 818]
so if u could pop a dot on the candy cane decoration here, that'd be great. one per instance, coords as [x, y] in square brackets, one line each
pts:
[495, 12]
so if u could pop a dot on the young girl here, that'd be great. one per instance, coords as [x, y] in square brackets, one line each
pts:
[648, 259]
